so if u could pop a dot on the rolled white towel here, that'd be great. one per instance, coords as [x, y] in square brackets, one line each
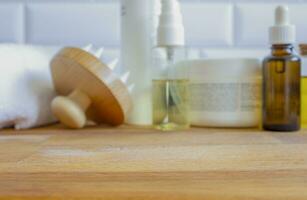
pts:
[26, 88]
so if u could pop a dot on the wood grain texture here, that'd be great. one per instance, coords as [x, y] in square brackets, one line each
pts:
[139, 163]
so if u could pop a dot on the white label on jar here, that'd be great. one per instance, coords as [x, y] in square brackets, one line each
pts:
[225, 97]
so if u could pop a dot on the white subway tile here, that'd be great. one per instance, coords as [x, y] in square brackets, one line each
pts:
[11, 23]
[73, 23]
[299, 18]
[208, 24]
[252, 23]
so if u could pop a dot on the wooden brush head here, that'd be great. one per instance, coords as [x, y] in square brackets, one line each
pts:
[88, 89]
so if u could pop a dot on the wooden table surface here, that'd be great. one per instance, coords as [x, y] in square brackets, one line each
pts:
[138, 163]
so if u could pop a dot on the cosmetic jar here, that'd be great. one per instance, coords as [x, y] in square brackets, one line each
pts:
[225, 92]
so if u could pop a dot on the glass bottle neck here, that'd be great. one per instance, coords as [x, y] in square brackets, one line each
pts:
[282, 49]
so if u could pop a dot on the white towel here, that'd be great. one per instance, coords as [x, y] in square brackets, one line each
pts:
[26, 88]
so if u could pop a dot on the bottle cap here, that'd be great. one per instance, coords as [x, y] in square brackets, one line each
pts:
[282, 32]
[170, 29]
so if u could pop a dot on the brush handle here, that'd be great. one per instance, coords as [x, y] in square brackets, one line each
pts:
[71, 110]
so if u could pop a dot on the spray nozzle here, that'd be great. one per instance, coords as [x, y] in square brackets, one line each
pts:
[170, 29]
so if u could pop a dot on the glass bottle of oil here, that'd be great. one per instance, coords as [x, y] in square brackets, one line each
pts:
[170, 83]
[304, 86]
[281, 78]
[171, 93]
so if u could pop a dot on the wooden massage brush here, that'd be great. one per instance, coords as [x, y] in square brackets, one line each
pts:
[89, 89]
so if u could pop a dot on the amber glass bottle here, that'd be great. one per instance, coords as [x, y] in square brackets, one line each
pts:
[281, 89]
[282, 77]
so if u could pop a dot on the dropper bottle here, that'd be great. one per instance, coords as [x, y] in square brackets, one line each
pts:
[170, 83]
[281, 77]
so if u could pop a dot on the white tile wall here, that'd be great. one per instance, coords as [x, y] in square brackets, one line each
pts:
[210, 24]
[252, 22]
[11, 22]
[299, 17]
[73, 23]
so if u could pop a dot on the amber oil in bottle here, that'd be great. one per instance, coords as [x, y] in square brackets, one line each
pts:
[170, 95]
[281, 90]
[171, 104]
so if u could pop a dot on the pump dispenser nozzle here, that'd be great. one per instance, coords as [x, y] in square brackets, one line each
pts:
[282, 32]
[170, 30]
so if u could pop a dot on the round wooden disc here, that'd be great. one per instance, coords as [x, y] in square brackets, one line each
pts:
[74, 68]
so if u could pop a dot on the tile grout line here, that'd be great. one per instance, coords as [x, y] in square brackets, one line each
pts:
[24, 24]
[234, 25]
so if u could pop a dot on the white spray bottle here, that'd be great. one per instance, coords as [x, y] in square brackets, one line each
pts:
[170, 84]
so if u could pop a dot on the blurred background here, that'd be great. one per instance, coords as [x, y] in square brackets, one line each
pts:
[214, 28]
